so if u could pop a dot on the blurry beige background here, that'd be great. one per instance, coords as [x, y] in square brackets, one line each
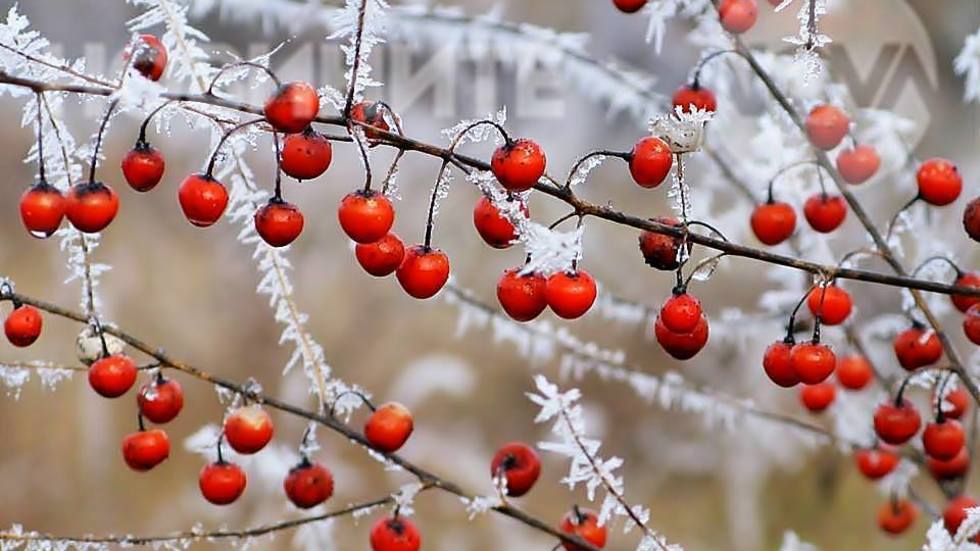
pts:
[192, 292]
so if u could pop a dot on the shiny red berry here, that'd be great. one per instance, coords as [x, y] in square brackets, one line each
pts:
[949, 470]
[897, 516]
[203, 199]
[112, 376]
[813, 362]
[961, 302]
[382, 257]
[495, 229]
[308, 484]
[832, 303]
[681, 313]
[955, 513]
[826, 126]
[23, 325]
[773, 222]
[917, 347]
[143, 167]
[682, 346]
[825, 213]
[150, 57]
[650, 162]
[943, 439]
[660, 251]
[876, 463]
[519, 465]
[583, 523]
[971, 219]
[424, 271]
[777, 364]
[145, 449]
[518, 165]
[248, 429]
[818, 397]
[306, 155]
[278, 223]
[971, 324]
[91, 207]
[222, 483]
[896, 423]
[955, 403]
[571, 294]
[371, 113]
[859, 164]
[388, 427]
[42, 208]
[293, 107]
[854, 372]
[699, 98]
[738, 16]
[366, 216]
[629, 6]
[160, 400]
[940, 182]
[395, 533]
[522, 296]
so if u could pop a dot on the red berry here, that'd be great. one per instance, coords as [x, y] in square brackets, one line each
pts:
[221, 483]
[395, 533]
[306, 155]
[682, 346]
[382, 257]
[91, 207]
[917, 347]
[971, 219]
[699, 97]
[813, 362]
[961, 302]
[389, 427]
[876, 463]
[939, 181]
[248, 429]
[571, 294]
[825, 213]
[424, 272]
[895, 423]
[293, 107]
[23, 325]
[681, 313]
[738, 16]
[650, 162]
[818, 397]
[143, 167]
[896, 516]
[366, 216]
[630, 6]
[826, 126]
[949, 470]
[145, 449]
[583, 523]
[854, 372]
[42, 207]
[112, 376]
[778, 366]
[955, 513]
[859, 164]
[520, 466]
[278, 223]
[369, 112]
[160, 400]
[203, 199]
[773, 222]
[518, 165]
[944, 439]
[523, 297]
[832, 303]
[494, 228]
[150, 57]
[659, 250]
[957, 401]
[971, 324]
[308, 484]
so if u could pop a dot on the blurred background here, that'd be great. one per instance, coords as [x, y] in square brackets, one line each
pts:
[193, 293]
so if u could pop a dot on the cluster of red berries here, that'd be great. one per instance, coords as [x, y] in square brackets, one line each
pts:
[736, 16]
[681, 327]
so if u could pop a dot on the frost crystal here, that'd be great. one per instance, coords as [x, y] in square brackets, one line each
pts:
[967, 65]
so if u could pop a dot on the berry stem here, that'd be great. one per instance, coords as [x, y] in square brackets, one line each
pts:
[558, 222]
[139, 421]
[711, 228]
[230, 66]
[946, 259]
[98, 141]
[358, 137]
[433, 199]
[894, 220]
[600, 153]
[356, 66]
[792, 316]
[703, 263]
[358, 393]
[209, 173]
[221, 459]
[782, 172]
[40, 137]
[278, 192]
[146, 122]
[696, 81]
